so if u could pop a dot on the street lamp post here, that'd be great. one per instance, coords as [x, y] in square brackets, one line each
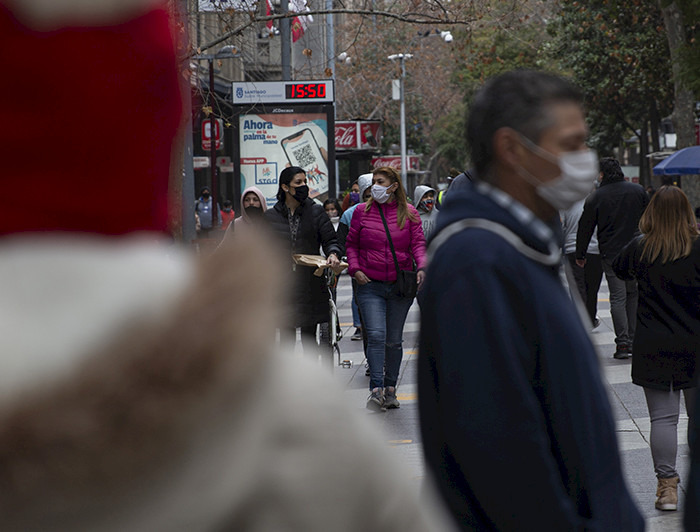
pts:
[445, 36]
[402, 60]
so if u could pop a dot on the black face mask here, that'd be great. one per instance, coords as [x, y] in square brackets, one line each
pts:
[301, 193]
[253, 212]
[206, 195]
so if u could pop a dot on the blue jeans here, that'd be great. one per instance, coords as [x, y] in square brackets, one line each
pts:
[384, 315]
[355, 311]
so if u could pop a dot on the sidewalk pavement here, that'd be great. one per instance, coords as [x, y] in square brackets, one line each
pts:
[402, 432]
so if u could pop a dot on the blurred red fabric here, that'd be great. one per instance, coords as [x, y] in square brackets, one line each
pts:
[87, 120]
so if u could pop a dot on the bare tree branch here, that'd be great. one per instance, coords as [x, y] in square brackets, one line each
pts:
[409, 17]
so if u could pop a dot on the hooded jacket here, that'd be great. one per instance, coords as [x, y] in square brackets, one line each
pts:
[428, 218]
[367, 246]
[515, 418]
[244, 219]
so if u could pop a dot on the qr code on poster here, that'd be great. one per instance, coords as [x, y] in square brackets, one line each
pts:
[304, 156]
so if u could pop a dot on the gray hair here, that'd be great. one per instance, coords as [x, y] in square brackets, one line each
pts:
[519, 99]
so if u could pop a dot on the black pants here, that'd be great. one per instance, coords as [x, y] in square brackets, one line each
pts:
[308, 337]
[593, 275]
[587, 280]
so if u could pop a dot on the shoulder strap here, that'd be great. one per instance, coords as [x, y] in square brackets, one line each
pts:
[388, 235]
[549, 259]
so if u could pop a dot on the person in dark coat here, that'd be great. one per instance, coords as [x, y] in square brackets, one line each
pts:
[516, 423]
[615, 209]
[304, 227]
[665, 262]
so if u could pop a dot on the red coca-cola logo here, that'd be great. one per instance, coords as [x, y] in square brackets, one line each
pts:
[394, 161]
[345, 135]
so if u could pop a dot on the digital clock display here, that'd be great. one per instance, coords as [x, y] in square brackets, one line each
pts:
[296, 91]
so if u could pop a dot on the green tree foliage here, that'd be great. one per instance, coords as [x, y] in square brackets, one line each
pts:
[506, 36]
[690, 51]
[364, 84]
[616, 50]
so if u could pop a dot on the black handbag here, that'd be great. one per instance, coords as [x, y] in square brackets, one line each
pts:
[406, 280]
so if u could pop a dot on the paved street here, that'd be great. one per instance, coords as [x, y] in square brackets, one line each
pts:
[401, 430]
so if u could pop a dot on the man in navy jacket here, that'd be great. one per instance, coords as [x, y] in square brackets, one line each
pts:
[517, 427]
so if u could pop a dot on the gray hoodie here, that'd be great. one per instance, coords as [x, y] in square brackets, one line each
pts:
[428, 218]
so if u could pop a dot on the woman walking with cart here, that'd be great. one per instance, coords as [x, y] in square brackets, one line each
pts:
[665, 262]
[386, 253]
[303, 226]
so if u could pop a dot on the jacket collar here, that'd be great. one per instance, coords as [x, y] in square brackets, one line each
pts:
[487, 202]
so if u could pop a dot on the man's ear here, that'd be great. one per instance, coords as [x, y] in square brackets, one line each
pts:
[507, 147]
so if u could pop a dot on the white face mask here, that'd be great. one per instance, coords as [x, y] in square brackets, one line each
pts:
[578, 172]
[381, 194]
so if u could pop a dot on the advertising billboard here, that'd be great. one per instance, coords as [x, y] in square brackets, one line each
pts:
[413, 162]
[272, 139]
[358, 134]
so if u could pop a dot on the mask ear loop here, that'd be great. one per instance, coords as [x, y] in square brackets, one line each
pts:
[534, 148]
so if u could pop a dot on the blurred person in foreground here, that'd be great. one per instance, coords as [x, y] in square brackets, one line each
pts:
[665, 262]
[516, 422]
[138, 390]
[614, 209]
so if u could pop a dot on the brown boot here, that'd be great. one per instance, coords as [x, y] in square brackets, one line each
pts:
[667, 493]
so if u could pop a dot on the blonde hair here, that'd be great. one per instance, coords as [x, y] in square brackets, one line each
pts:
[668, 226]
[402, 212]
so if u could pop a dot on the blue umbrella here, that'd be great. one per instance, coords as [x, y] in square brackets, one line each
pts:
[685, 161]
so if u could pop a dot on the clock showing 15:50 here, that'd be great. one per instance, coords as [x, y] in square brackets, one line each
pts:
[295, 91]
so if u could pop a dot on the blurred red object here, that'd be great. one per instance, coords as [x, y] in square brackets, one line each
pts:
[88, 118]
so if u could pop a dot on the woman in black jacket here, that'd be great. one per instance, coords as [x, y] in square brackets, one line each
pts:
[665, 261]
[304, 227]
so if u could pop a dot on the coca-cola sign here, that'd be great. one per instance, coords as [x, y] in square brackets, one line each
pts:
[395, 161]
[358, 134]
[346, 135]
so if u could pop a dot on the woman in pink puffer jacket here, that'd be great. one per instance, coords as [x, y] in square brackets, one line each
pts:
[372, 265]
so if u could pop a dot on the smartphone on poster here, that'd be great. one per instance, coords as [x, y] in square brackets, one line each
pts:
[302, 150]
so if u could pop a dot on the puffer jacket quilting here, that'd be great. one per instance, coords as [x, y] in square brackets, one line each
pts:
[367, 246]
